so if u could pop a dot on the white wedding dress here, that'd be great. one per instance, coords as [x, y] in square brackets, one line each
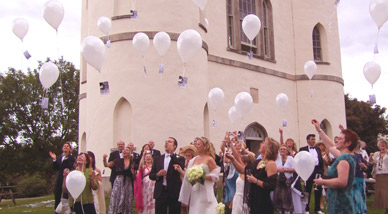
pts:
[200, 197]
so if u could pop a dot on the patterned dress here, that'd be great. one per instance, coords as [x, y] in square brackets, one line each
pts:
[148, 192]
[122, 193]
[340, 201]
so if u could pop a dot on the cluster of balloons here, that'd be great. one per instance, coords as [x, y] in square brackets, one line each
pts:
[53, 13]
[242, 105]
[188, 44]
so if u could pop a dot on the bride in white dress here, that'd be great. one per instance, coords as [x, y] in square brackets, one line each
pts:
[200, 197]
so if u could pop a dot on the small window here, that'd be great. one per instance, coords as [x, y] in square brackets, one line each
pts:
[317, 45]
[255, 94]
[263, 45]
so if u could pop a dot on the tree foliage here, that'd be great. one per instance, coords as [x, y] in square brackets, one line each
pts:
[366, 119]
[27, 131]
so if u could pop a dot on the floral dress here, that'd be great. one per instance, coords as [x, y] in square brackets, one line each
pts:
[340, 201]
[148, 192]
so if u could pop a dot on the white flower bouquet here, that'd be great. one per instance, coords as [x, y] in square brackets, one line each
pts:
[220, 209]
[196, 175]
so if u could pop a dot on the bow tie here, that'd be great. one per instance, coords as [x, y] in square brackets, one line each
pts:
[168, 155]
[311, 147]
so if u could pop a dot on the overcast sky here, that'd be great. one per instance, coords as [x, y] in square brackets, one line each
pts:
[358, 35]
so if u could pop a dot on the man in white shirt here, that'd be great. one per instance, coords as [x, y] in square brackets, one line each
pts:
[318, 170]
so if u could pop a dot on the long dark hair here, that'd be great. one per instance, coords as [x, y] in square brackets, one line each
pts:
[93, 163]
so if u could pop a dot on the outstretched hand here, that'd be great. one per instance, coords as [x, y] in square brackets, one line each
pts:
[316, 124]
[53, 155]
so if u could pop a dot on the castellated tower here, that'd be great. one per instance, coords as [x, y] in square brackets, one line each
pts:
[141, 107]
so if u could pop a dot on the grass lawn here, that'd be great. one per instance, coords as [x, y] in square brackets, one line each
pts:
[45, 204]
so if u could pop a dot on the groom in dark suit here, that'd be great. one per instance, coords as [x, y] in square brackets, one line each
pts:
[64, 161]
[318, 161]
[168, 181]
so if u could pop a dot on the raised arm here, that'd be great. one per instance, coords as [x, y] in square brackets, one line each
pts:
[326, 140]
[109, 164]
[237, 165]
[281, 136]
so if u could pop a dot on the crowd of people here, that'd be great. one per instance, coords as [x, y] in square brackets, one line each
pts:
[154, 183]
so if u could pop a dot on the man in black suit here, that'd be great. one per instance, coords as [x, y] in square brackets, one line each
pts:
[113, 156]
[64, 161]
[155, 152]
[317, 156]
[168, 181]
[135, 156]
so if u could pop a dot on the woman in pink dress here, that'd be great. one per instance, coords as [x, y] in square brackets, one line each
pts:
[145, 203]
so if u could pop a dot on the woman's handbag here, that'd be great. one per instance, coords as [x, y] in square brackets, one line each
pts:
[63, 207]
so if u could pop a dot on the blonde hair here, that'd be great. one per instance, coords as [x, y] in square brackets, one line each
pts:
[208, 147]
[294, 147]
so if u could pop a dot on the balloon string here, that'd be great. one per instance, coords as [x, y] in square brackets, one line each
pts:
[144, 66]
[376, 49]
[184, 69]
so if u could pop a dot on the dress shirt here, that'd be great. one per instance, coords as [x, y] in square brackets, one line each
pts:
[313, 151]
[167, 159]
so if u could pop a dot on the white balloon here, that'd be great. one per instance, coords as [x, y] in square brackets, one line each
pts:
[93, 51]
[215, 98]
[141, 42]
[304, 164]
[372, 72]
[104, 24]
[189, 43]
[20, 27]
[310, 68]
[378, 9]
[234, 115]
[251, 26]
[75, 183]
[282, 100]
[162, 42]
[48, 74]
[243, 102]
[200, 3]
[53, 13]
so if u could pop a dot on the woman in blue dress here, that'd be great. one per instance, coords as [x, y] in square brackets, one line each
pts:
[342, 171]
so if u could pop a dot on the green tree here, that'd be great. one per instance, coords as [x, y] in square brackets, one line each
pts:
[27, 131]
[366, 119]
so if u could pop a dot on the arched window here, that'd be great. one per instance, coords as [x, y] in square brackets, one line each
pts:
[263, 45]
[317, 44]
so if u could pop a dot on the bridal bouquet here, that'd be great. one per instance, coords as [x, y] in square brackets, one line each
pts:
[196, 175]
[220, 208]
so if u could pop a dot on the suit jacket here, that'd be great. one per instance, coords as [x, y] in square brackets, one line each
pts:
[113, 156]
[173, 177]
[318, 169]
[155, 153]
[59, 166]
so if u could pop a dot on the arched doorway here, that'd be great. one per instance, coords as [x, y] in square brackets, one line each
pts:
[254, 135]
